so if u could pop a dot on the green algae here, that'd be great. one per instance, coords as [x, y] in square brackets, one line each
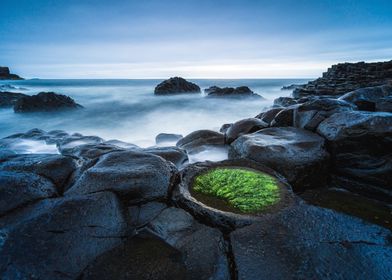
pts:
[245, 190]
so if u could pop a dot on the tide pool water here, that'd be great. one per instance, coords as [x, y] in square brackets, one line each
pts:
[128, 110]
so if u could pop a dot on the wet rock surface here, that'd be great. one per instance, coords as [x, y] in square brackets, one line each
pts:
[9, 99]
[242, 127]
[297, 154]
[176, 85]
[45, 101]
[238, 92]
[198, 140]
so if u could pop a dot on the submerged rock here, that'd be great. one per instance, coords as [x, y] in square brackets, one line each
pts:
[176, 85]
[297, 154]
[45, 101]
[9, 99]
[242, 91]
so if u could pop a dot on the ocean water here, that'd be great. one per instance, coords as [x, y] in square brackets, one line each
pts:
[127, 110]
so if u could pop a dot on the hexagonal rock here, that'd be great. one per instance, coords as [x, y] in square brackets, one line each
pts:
[197, 140]
[57, 238]
[297, 154]
[18, 189]
[360, 144]
[242, 127]
[137, 176]
[226, 221]
[306, 242]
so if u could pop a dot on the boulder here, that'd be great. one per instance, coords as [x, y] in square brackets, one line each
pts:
[45, 101]
[176, 85]
[9, 99]
[284, 101]
[291, 87]
[367, 99]
[225, 127]
[167, 137]
[297, 154]
[133, 175]
[284, 117]
[242, 127]
[5, 74]
[19, 189]
[197, 140]
[307, 242]
[384, 105]
[242, 91]
[269, 115]
[360, 144]
[57, 238]
[175, 155]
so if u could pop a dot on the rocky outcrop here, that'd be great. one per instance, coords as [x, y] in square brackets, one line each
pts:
[297, 154]
[9, 99]
[242, 91]
[176, 85]
[5, 74]
[242, 127]
[44, 102]
[346, 77]
[198, 140]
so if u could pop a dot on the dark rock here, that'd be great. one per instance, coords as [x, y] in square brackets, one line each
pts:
[9, 99]
[176, 85]
[172, 154]
[167, 137]
[45, 101]
[196, 140]
[307, 242]
[67, 145]
[242, 91]
[360, 144]
[218, 215]
[346, 77]
[367, 98]
[133, 175]
[311, 113]
[18, 189]
[55, 168]
[141, 215]
[90, 151]
[297, 154]
[384, 105]
[57, 238]
[284, 117]
[225, 127]
[121, 144]
[242, 127]
[203, 249]
[291, 87]
[5, 74]
[284, 101]
[269, 115]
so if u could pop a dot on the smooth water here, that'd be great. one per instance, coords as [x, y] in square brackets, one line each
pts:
[127, 110]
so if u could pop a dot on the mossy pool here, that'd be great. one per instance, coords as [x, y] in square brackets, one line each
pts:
[236, 189]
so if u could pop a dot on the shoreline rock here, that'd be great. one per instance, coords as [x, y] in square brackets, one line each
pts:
[238, 92]
[5, 74]
[176, 85]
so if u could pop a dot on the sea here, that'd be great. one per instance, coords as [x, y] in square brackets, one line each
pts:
[128, 110]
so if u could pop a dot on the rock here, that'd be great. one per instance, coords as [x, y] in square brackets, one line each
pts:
[57, 238]
[367, 98]
[291, 87]
[6, 75]
[360, 144]
[284, 101]
[216, 214]
[242, 127]
[269, 115]
[9, 99]
[141, 215]
[384, 105]
[225, 127]
[307, 242]
[297, 154]
[67, 144]
[90, 151]
[311, 113]
[176, 85]
[346, 77]
[121, 144]
[203, 249]
[197, 140]
[284, 117]
[55, 168]
[167, 137]
[18, 189]
[242, 91]
[133, 175]
[172, 154]
[45, 101]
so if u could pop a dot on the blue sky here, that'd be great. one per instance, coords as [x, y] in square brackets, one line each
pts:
[191, 38]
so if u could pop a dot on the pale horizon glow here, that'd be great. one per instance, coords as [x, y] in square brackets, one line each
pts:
[194, 39]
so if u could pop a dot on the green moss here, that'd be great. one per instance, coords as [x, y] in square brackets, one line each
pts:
[245, 190]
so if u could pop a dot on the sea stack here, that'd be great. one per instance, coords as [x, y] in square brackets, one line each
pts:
[176, 85]
[5, 74]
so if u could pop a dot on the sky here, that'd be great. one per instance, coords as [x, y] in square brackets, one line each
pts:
[191, 38]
